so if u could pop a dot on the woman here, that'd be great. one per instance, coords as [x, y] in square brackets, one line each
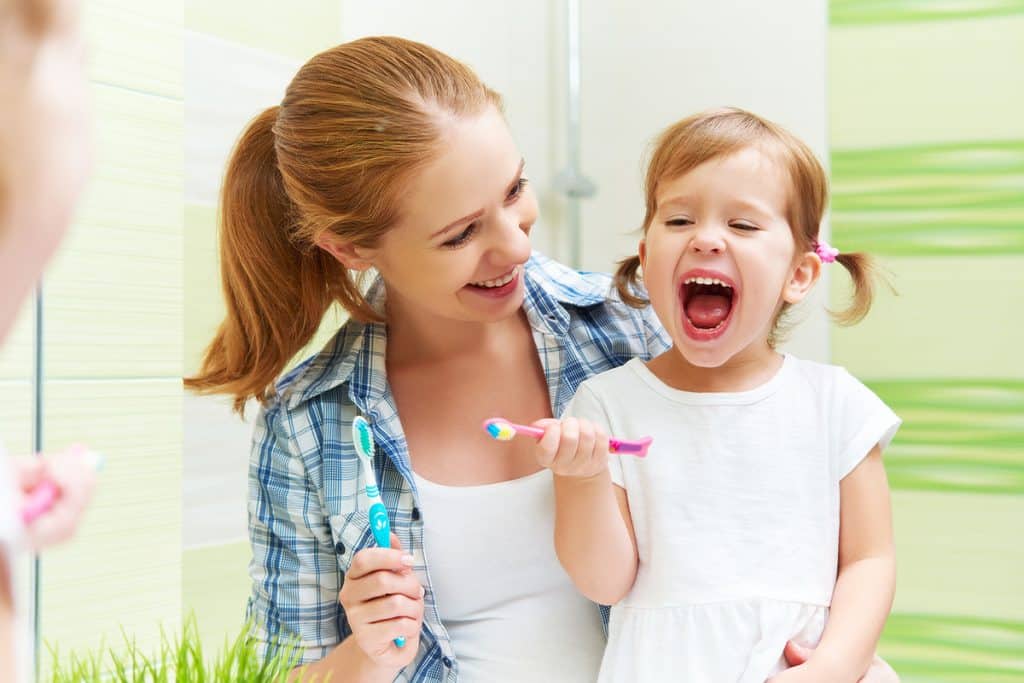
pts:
[387, 154]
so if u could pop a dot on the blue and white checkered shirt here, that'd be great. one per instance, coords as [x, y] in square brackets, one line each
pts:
[307, 511]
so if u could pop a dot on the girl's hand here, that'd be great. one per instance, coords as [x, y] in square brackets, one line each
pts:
[878, 672]
[796, 674]
[572, 447]
[383, 600]
[75, 480]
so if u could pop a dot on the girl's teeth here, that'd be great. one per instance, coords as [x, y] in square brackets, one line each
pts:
[499, 282]
[705, 281]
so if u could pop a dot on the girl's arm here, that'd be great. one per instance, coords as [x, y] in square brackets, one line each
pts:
[867, 574]
[593, 529]
[594, 537]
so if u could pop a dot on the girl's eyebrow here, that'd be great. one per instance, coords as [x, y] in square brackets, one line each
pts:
[476, 214]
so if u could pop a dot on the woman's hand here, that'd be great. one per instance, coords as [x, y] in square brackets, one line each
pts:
[75, 480]
[383, 600]
[796, 655]
[572, 447]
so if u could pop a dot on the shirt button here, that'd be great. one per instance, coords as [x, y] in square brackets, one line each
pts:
[339, 548]
[447, 662]
[415, 514]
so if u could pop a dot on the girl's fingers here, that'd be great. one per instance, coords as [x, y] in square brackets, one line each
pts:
[547, 447]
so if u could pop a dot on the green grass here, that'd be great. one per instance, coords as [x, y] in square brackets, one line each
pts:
[957, 435]
[926, 200]
[860, 12]
[181, 660]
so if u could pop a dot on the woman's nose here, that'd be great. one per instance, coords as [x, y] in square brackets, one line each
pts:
[513, 238]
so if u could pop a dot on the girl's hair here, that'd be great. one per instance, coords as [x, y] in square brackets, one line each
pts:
[719, 133]
[356, 122]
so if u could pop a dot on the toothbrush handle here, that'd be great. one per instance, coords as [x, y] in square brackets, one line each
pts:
[615, 446]
[39, 501]
[381, 529]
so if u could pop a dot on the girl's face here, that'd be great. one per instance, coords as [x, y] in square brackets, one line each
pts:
[719, 258]
[458, 250]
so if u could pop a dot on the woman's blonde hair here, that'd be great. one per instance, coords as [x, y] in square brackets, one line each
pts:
[721, 132]
[356, 122]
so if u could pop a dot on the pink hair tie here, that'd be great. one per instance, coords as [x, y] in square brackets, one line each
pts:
[826, 253]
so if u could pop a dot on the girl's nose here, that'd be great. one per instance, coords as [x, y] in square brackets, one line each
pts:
[707, 240]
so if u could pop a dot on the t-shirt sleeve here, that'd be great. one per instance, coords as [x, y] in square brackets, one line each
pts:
[864, 420]
[586, 404]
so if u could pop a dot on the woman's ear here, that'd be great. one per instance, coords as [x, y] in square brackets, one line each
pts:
[346, 253]
[802, 278]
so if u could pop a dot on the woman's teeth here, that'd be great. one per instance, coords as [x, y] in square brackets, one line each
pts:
[499, 282]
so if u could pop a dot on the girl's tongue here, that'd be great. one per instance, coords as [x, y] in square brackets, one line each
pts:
[708, 310]
[707, 305]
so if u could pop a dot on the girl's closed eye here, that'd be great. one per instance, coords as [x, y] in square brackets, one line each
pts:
[679, 222]
[744, 225]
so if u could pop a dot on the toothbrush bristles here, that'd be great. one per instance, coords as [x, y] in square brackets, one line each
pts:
[501, 432]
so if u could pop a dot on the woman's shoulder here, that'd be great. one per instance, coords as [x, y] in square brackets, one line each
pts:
[331, 367]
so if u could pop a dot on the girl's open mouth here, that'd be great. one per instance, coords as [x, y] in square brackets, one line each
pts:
[707, 304]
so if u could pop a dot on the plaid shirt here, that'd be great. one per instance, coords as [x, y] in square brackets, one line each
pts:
[307, 511]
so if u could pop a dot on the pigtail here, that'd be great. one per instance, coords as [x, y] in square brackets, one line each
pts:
[627, 282]
[864, 274]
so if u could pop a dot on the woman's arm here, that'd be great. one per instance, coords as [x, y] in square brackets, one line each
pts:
[867, 578]
[297, 585]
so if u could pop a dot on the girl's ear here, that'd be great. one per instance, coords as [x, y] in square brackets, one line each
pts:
[642, 252]
[348, 254]
[802, 278]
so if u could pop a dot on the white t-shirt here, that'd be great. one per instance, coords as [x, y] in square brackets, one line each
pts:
[510, 609]
[736, 514]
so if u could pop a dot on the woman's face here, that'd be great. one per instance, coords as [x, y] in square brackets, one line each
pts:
[458, 249]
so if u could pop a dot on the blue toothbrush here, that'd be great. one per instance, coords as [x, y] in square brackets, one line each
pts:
[362, 437]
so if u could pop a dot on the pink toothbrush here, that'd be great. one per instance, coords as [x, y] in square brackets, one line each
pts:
[503, 430]
[45, 494]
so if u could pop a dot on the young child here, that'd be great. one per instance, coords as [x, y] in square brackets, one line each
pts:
[762, 512]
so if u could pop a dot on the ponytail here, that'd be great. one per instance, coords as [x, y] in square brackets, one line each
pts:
[276, 292]
[863, 272]
[627, 281]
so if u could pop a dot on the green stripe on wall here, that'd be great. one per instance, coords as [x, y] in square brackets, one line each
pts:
[943, 199]
[858, 12]
[957, 435]
[948, 649]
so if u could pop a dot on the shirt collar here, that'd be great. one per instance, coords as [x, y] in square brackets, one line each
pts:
[356, 353]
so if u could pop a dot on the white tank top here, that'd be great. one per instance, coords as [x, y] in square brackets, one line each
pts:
[510, 609]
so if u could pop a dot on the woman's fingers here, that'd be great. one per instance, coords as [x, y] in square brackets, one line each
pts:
[369, 560]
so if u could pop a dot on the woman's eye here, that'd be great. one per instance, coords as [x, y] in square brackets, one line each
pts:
[461, 238]
[517, 189]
